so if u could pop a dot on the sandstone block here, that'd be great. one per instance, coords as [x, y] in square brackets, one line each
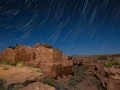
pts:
[53, 69]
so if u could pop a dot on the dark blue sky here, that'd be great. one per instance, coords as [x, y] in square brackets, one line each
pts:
[77, 27]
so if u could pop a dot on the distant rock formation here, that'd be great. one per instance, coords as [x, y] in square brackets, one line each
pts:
[52, 62]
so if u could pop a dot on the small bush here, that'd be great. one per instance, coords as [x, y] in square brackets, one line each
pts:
[60, 85]
[49, 82]
[31, 66]
[6, 68]
[96, 82]
[79, 75]
[38, 70]
[4, 86]
[14, 63]
[111, 63]
[20, 64]
[103, 58]
[5, 62]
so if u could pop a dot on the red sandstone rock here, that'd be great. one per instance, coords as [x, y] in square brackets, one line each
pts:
[38, 86]
[113, 73]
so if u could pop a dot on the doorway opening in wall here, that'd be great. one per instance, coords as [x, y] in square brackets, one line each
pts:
[34, 56]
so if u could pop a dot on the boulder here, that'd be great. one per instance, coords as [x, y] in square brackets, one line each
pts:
[38, 86]
[113, 73]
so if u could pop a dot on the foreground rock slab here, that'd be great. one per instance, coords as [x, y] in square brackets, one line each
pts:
[38, 86]
[19, 75]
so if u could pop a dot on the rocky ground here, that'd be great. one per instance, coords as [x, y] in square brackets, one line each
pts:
[90, 73]
[81, 80]
[15, 77]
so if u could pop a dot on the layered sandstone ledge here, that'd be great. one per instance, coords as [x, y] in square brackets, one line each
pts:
[109, 77]
[38, 86]
[51, 61]
[19, 75]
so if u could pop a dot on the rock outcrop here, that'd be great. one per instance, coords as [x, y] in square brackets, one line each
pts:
[109, 77]
[38, 86]
[52, 62]
[20, 75]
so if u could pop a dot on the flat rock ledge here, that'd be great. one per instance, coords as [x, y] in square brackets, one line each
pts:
[38, 86]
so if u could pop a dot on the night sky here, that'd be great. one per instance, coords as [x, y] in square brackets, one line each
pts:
[77, 27]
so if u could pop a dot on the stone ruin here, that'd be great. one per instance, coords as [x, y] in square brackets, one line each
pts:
[52, 62]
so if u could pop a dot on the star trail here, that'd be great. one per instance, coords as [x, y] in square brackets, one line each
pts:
[77, 27]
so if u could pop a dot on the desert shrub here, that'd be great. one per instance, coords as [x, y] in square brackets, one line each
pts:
[16, 87]
[111, 63]
[37, 79]
[5, 86]
[5, 68]
[96, 82]
[79, 75]
[73, 81]
[49, 82]
[31, 66]
[60, 85]
[2, 84]
[20, 64]
[76, 87]
[5, 61]
[103, 58]
[14, 63]
[13, 47]
[38, 70]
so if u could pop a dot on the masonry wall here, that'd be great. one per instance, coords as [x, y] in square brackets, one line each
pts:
[8, 54]
[21, 55]
[46, 55]
[57, 55]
